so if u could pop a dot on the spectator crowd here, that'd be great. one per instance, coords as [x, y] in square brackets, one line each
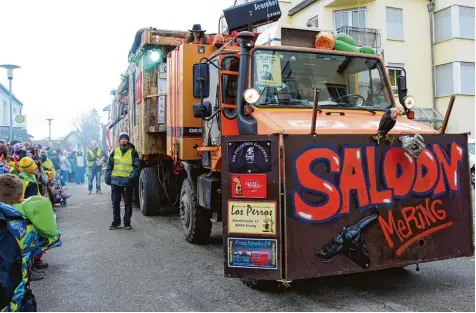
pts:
[33, 181]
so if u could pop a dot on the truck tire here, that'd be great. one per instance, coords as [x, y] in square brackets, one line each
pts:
[149, 192]
[196, 223]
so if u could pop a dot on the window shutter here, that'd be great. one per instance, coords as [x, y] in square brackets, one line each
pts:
[444, 80]
[443, 25]
[467, 78]
[466, 22]
[394, 24]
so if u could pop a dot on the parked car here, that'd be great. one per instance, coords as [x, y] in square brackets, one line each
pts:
[471, 143]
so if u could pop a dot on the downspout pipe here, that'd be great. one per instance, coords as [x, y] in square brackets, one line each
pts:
[431, 9]
[247, 124]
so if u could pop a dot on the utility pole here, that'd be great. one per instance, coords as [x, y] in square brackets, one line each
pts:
[49, 125]
[10, 68]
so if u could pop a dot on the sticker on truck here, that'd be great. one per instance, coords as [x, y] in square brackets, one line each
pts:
[249, 156]
[252, 253]
[249, 186]
[254, 218]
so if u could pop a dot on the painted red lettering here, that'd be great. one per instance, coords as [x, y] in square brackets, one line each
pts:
[426, 213]
[397, 160]
[411, 226]
[310, 181]
[389, 228]
[402, 227]
[424, 183]
[408, 214]
[450, 170]
[352, 178]
[440, 214]
[376, 196]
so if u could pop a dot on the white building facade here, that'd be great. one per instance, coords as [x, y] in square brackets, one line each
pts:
[19, 129]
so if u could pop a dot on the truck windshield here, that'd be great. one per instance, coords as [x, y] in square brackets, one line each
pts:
[288, 78]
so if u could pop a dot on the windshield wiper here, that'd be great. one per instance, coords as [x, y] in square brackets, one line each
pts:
[345, 107]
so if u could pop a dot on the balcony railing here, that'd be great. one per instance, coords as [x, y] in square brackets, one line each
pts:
[362, 36]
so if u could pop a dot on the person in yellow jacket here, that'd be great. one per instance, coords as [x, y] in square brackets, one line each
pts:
[95, 161]
[27, 168]
[122, 168]
[47, 164]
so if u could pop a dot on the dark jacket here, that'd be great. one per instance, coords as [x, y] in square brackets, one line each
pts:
[31, 190]
[123, 181]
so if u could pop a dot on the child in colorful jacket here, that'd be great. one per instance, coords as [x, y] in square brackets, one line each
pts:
[33, 225]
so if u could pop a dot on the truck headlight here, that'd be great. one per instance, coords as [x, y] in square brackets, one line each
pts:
[409, 102]
[251, 95]
[155, 56]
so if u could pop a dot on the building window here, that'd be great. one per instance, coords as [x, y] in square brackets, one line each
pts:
[313, 22]
[466, 22]
[467, 78]
[5, 112]
[443, 25]
[444, 80]
[455, 78]
[454, 22]
[353, 17]
[394, 24]
[394, 73]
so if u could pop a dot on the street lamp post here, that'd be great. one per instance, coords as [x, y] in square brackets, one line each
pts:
[49, 124]
[10, 68]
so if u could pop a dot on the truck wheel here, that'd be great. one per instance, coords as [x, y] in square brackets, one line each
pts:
[149, 192]
[196, 223]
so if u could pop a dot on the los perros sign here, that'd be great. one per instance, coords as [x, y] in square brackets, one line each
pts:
[247, 217]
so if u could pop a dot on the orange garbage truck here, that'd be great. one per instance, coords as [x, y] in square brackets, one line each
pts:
[303, 153]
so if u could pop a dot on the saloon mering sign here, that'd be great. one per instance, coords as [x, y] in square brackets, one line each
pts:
[361, 205]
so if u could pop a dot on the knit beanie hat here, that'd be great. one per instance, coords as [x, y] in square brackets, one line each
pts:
[124, 135]
[27, 165]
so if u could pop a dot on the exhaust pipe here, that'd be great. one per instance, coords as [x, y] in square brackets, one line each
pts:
[246, 124]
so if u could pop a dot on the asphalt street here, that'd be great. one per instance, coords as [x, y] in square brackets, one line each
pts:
[152, 268]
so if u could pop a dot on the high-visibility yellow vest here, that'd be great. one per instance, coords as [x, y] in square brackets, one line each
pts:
[122, 163]
[48, 165]
[25, 180]
[91, 155]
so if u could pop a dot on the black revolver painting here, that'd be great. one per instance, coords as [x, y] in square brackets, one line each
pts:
[350, 242]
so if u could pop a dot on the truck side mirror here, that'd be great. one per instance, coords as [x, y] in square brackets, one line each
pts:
[201, 80]
[402, 88]
[202, 110]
